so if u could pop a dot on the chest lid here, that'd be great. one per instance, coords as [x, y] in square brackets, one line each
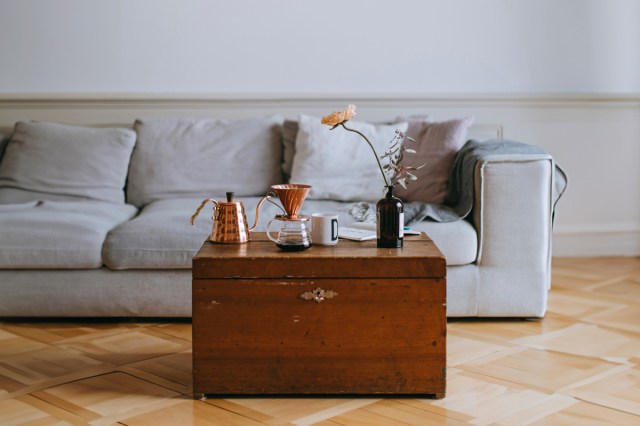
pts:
[260, 258]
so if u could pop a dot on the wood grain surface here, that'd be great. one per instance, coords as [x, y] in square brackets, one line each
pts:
[347, 259]
[374, 336]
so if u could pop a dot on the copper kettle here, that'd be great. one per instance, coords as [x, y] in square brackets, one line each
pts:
[229, 220]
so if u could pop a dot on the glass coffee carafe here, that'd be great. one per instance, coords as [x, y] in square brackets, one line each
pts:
[294, 233]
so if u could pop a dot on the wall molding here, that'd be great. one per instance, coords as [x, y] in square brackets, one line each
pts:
[597, 239]
[588, 244]
[70, 100]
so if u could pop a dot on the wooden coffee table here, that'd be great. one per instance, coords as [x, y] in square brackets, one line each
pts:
[344, 319]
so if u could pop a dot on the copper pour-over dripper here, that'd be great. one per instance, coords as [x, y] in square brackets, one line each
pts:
[291, 196]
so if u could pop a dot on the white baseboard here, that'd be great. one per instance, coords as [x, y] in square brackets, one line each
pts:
[601, 244]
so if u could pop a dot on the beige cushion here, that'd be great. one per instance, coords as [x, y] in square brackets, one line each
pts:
[61, 160]
[339, 165]
[437, 144]
[177, 157]
[57, 235]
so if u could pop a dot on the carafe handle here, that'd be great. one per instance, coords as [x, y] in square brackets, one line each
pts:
[262, 200]
[215, 207]
[269, 231]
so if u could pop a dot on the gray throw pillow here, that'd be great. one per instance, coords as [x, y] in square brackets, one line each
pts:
[64, 160]
[179, 157]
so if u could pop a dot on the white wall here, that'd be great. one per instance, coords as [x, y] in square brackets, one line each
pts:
[292, 46]
[564, 74]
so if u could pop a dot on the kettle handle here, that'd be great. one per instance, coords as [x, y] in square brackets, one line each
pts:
[215, 206]
[262, 200]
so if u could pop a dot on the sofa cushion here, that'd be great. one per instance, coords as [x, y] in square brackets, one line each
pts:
[436, 145]
[160, 237]
[458, 240]
[290, 132]
[62, 160]
[57, 235]
[338, 164]
[17, 196]
[177, 157]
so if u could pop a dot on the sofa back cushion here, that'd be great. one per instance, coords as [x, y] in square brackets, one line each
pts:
[56, 160]
[436, 145]
[180, 157]
[338, 164]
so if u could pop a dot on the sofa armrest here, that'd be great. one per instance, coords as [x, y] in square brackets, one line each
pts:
[513, 211]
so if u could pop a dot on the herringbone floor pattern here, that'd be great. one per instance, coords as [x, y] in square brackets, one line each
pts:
[579, 365]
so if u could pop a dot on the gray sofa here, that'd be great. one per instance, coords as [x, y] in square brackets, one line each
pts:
[94, 222]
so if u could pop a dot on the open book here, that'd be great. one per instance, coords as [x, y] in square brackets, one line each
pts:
[363, 231]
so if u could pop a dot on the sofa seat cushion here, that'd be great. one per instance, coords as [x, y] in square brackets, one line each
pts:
[57, 234]
[160, 237]
[458, 241]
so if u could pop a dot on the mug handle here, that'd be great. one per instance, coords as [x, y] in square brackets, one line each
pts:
[269, 232]
[334, 230]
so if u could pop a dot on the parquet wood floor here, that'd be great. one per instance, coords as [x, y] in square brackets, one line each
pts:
[579, 365]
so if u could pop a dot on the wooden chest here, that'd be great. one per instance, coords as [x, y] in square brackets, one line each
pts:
[344, 319]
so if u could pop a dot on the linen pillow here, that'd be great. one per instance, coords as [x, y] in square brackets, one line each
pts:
[179, 157]
[436, 145]
[62, 160]
[339, 165]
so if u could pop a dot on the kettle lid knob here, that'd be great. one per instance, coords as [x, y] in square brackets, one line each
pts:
[229, 197]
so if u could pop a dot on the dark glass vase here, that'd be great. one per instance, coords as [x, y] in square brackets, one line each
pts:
[390, 220]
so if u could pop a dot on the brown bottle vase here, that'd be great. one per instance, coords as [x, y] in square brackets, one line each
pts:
[390, 221]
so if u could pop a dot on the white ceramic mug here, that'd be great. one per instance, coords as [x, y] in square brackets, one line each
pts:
[324, 229]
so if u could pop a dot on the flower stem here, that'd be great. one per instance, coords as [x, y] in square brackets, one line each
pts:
[384, 176]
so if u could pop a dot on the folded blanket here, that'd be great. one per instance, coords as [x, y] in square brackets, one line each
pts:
[459, 201]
